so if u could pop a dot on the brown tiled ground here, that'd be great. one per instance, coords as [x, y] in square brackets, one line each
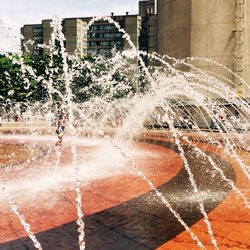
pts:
[56, 207]
[230, 220]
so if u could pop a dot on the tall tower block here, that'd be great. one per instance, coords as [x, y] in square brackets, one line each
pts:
[216, 29]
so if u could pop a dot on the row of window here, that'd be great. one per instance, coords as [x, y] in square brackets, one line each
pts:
[38, 39]
[99, 51]
[37, 30]
[104, 43]
[102, 27]
[104, 35]
[38, 51]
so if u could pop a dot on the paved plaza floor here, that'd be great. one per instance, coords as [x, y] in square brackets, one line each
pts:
[120, 209]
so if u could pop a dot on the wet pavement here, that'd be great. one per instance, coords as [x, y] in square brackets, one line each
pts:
[122, 213]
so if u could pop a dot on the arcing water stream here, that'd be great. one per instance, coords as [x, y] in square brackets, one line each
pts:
[129, 97]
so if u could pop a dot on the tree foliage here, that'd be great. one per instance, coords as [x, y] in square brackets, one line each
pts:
[42, 78]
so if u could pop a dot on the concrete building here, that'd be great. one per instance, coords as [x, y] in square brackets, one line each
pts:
[147, 11]
[217, 30]
[73, 29]
[32, 36]
[101, 37]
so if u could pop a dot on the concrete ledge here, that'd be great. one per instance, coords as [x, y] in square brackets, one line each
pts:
[29, 124]
[41, 128]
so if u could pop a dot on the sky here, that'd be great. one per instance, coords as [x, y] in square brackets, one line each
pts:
[15, 13]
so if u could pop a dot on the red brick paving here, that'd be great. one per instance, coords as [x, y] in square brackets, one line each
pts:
[230, 220]
[56, 207]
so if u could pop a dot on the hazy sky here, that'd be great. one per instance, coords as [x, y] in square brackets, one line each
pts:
[16, 13]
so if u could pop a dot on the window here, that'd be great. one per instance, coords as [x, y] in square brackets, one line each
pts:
[92, 43]
[109, 27]
[38, 39]
[91, 51]
[104, 43]
[37, 30]
[94, 27]
[150, 11]
[118, 43]
[98, 35]
[105, 51]
[107, 35]
[84, 35]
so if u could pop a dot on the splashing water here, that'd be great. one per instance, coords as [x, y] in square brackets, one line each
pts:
[21, 217]
[160, 195]
[122, 94]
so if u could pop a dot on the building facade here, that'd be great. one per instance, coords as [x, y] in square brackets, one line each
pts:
[147, 11]
[32, 36]
[101, 38]
[73, 29]
[216, 30]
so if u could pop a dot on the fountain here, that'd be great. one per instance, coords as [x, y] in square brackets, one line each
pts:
[150, 154]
